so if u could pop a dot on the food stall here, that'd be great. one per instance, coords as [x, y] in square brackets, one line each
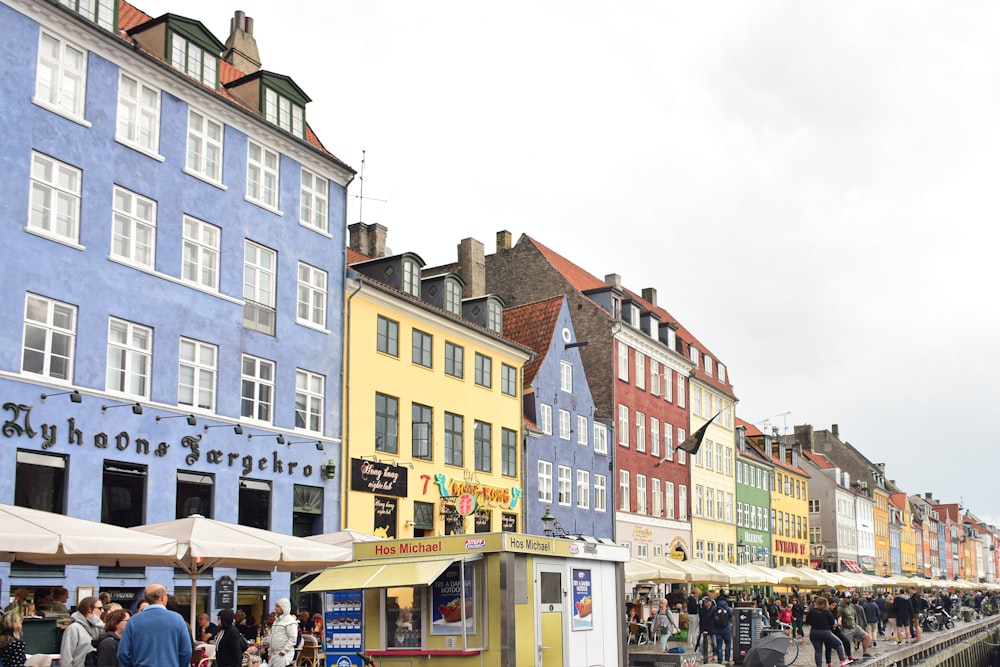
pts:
[500, 599]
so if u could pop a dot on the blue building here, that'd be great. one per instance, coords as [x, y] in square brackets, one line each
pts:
[172, 310]
[566, 457]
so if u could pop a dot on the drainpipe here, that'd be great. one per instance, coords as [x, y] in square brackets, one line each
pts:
[350, 274]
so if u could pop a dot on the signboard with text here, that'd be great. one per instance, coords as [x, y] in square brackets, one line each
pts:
[583, 601]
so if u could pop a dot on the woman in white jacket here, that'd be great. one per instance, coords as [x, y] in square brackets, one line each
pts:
[284, 635]
[86, 626]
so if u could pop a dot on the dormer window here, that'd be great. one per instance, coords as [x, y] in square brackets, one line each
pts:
[633, 314]
[411, 277]
[694, 354]
[193, 60]
[708, 365]
[284, 113]
[616, 308]
[101, 12]
[453, 297]
[494, 316]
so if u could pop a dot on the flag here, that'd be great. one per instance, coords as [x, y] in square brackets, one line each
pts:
[693, 442]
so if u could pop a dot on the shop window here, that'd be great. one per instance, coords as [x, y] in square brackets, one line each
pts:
[551, 588]
[483, 522]
[255, 504]
[194, 494]
[454, 523]
[123, 501]
[404, 615]
[40, 482]
[423, 518]
[307, 510]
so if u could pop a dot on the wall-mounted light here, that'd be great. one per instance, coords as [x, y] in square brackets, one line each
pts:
[74, 396]
[550, 526]
[319, 445]
[280, 438]
[136, 408]
[191, 419]
[238, 429]
[328, 470]
[370, 457]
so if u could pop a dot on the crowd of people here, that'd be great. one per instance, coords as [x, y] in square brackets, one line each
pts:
[101, 633]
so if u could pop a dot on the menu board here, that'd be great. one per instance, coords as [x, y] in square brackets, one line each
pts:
[342, 614]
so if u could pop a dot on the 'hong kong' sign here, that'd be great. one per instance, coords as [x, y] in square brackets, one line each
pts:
[383, 478]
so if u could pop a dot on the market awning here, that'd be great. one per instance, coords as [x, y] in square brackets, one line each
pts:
[851, 566]
[383, 573]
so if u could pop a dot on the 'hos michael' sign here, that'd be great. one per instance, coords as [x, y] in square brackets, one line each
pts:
[383, 478]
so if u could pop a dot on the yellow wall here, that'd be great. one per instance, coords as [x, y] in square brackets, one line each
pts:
[881, 519]
[369, 371]
[796, 505]
[717, 529]
[908, 544]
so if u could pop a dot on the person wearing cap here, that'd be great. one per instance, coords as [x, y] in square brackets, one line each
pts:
[852, 625]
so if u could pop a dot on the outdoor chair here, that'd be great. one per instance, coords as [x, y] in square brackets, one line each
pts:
[310, 656]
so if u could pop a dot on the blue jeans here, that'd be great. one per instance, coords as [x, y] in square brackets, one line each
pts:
[727, 639]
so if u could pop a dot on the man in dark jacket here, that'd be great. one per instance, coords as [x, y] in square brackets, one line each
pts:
[872, 617]
[722, 630]
[705, 623]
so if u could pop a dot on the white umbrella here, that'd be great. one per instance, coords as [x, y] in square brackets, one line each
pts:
[695, 571]
[204, 543]
[760, 574]
[346, 538]
[44, 537]
[658, 572]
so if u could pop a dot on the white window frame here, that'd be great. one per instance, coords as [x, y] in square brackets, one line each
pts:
[138, 123]
[310, 396]
[263, 175]
[681, 400]
[640, 431]
[600, 493]
[565, 485]
[191, 59]
[657, 496]
[566, 376]
[197, 374]
[411, 277]
[699, 501]
[544, 481]
[54, 211]
[100, 12]
[709, 502]
[129, 360]
[58, 328]
[668, 441]
[682, 507]
[205, 142]
[262, 386]
[583, 489]
[314, 198]
[669, 501]
[667, 381]
[622, 361]
[708, 365]
[654, 436]
[720, 459]
[494, 316]
[133, 228]
[311, 296]
[545, 418]
[623, 425]
[640, 370]
[624, 501]
[66, 89]
[283, 112]
[200, 255]
[654, 377]
[564, 424]
[640, 494]
[600, 438]
[259, 285]
[582, 429]
[452, 296]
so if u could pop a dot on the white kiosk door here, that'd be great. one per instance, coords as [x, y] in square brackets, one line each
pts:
[551, 593]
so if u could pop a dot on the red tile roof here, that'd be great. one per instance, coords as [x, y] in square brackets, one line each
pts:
[750, 428]
[354, 257]
[818, 459]
[754, 432]
[532, 325]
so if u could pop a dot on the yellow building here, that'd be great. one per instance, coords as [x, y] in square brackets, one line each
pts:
[880, 515]
[789, 506]
[432, 403]
[907, 534]
[713, 479]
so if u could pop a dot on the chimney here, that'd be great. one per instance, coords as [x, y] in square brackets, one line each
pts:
[649, 294]
[241, 47]
[835, 429]
[367, 239]
[472, 267]
[503, 240]
[613, 280]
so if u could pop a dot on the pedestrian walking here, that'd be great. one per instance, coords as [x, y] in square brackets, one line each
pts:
[85, 626]
[157, 637]
[821, 622]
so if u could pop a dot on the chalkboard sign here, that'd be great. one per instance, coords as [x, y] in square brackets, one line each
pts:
[225, 593]
[747, 627]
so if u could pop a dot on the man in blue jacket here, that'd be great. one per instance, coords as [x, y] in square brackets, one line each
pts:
[157, 637]
[722, 629]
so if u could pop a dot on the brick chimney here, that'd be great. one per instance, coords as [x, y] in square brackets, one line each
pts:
[649, 294]
[503, 240]
[367, 239]
[241, 47]
[472, 267]
[613, 280]
[835, 429]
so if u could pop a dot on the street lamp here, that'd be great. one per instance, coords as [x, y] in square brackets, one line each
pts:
[550, 526]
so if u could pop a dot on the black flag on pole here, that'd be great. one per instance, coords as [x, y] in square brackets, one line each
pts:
[693, 442]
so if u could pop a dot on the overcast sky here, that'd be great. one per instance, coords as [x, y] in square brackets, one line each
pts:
[811, 187]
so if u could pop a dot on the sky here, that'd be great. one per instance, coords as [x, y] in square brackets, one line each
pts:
[808, 185]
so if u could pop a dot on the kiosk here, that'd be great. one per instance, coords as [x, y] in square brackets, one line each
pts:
[499, 599]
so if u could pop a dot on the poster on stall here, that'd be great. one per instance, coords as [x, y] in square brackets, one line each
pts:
[343, 612]
[583, 601]
[446, 601]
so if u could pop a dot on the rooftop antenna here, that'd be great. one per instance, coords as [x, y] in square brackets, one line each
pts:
[361, 191]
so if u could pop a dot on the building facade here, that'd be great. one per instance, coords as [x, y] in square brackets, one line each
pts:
[754, 475]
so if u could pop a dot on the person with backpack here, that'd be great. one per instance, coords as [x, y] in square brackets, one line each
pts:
[85, 626]
[722, 629]
[705, 624]
[107, 644]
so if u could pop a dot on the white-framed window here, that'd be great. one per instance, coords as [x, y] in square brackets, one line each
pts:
[641, 550]
[452, 296]
[682, 502]
[565, 485]
[545, 418]
[640, 431]
[640, 494]
[708, 453]
[657, 497]
[600, 492]
[130, 353]
[545, 481]
[623, 425]
[101, 12]
[600, 438]
[694, 355]
[668, 441]
[508, 380]
[699, 548]
[640, 370]
[654, 436]
[257, 389]
[133, 228]
[263, 170]
[196, 374]
[622, 361]
[654, 378]
[204, 146]
[739, 472]
[61, 78]
[708, 365]
[193, 60]
[564, 424]
[55, 199]
[680, 391]
[314, 193]
[720, 458]
[582, 428]
[729, 507]
[624, 503]
[312, 296]
[729, 461]
[200, 263]
[681, 454]
[566, 376]
[259, 266]
[309, 393]
[696, 402]
[494, 316]
[668, 499]
[411, 277]
[719, 504]
[583, 489]
[699, 500]
[709, 503]
[49, 341]
[721, 372]
[138, 114]
[284, 113]
[667, 380]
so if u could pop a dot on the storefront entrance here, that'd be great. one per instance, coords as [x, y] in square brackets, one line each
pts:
[551, 603]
